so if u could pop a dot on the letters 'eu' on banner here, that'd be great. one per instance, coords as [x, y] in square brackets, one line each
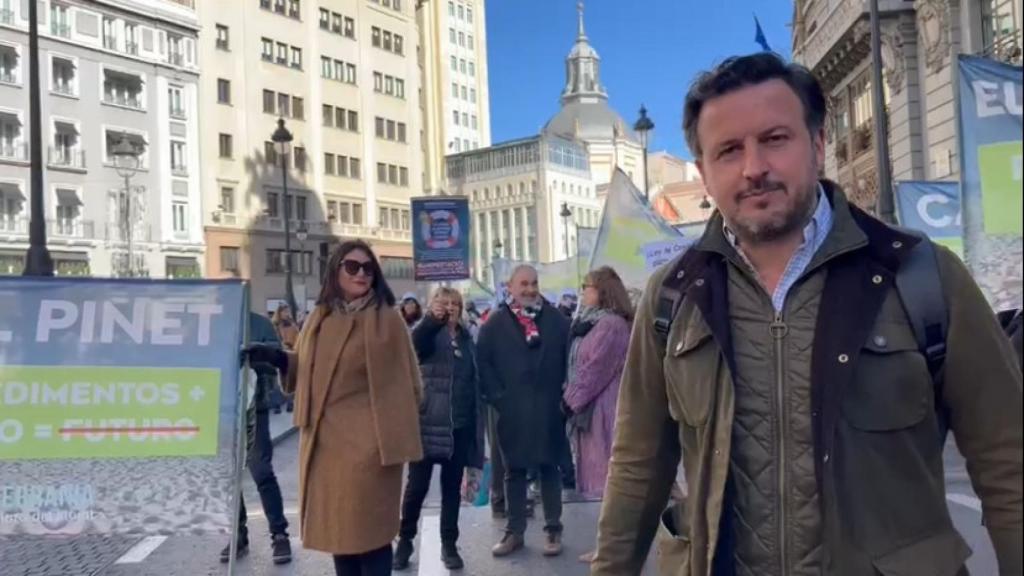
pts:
[991, 103]
[441, 237]
[118, 405]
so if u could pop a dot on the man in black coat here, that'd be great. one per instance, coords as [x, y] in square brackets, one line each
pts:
[522, 356]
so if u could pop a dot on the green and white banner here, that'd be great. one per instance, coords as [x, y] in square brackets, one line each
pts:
[118, 405]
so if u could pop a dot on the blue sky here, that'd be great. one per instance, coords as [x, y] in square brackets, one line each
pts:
[650, 51]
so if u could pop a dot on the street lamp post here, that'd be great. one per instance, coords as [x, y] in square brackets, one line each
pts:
[126, 163]
[566, 214]
[886, 202]
[302, 233]
[283, 138]
[37, 260]
[498, 246]
[643, 127]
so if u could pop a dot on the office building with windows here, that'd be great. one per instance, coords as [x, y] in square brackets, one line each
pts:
[343, 75]
[920, 42]
[456, 102]
[110, 72]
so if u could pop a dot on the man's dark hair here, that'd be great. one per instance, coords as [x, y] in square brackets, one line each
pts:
[741, 71]
[330, 291]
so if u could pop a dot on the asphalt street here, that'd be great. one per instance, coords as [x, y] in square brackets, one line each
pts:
[199, 555]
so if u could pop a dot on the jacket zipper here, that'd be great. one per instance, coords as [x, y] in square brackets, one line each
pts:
[779, 329]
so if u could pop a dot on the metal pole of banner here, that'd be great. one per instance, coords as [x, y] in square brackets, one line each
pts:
[241, 439]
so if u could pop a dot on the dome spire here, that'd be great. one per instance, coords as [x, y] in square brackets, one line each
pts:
[583, 67]
[582, 34]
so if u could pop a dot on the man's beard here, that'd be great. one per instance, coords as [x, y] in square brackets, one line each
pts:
[776, 227]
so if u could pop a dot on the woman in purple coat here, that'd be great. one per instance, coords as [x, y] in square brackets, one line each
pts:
[600, 338]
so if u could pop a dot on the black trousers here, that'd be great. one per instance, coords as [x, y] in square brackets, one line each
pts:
[374, 563]
[550, 494]
[261, 467]
[418, 484]
[497, 462]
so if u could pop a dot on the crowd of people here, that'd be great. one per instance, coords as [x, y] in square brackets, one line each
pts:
[776, 361]
[379, 385]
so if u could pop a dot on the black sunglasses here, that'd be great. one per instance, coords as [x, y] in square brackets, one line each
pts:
[352, 267]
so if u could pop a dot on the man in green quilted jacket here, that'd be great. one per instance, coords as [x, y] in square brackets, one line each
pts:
[789, 381]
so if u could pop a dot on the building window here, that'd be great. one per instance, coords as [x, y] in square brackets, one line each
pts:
[300, 158]
[296, 58]
[451, 9]
[223, 91]
[375, 37]
[223, 39]
[63, 71]
[469, 14]
[60, 21]
[284, 105]
[269, 102]
[282, 54]
[176, 102]
[455, 64]
[329, 164]
[270, 152]
[462, 39]
[179, 213]
[1000, 32]
[227, 199]
[124, 89]
[178, 163]
[325, 19]
[298, 108]
[353, 121]
[294, 9]
[226, 146]
[472, 69]
[328, 115]
[229, 259]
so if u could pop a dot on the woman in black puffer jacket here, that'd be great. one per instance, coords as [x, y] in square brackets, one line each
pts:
[450, 423]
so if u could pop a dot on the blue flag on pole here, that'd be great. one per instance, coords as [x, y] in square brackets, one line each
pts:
[759, 36]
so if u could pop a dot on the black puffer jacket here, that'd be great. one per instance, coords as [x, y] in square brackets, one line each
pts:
[451, 391]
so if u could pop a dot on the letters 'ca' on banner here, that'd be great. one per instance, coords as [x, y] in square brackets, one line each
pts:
[441, 237]
[113, 396]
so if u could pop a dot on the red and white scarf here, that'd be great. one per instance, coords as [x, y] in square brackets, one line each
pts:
[526, 316]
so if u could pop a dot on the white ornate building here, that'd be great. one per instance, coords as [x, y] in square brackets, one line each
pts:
[517, 189]
[920, 42]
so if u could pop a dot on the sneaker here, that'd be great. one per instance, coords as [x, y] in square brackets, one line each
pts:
[282, 549]
[553, 544]
[509, 544]
[403, 551]
[450, 556]
[241, 552]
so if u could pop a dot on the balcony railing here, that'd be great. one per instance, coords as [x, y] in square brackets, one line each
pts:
[17, 152]
[176, 59]
[120, 100]
[61, 30]
[12, 224]
[8, 77]
[140, 233]
[71, 228]
[222, 44]
[7, 16]
[179, 170]
[64, 158]
[110, 42]
[178, 113]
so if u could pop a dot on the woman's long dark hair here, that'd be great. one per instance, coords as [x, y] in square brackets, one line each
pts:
[611, 292]
[330, 291]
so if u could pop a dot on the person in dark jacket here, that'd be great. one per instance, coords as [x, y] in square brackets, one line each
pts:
[261, 451]
[522, 353]
[451, 424]
[411, 310]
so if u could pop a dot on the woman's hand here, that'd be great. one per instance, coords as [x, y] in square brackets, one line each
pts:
[438, 310]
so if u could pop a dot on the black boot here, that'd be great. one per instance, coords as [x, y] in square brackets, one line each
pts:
[450, 556]
[243, 550]
[403, 551]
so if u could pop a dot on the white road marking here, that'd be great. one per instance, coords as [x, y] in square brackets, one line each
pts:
[429, 557]
[142, 550]
[6, 336]
[965, 500]
[258, 513]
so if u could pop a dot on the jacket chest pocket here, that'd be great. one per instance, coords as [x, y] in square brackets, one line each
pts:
[691, 372]
[892, 388]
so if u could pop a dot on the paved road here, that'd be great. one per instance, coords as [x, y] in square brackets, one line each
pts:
[198, 555]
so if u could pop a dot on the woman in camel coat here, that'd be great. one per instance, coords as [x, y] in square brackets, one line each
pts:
[357, 393]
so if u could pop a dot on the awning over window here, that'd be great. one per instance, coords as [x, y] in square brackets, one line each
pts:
[69, 197]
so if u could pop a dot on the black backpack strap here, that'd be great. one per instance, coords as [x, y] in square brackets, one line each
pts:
[673, 289]
[919, 285]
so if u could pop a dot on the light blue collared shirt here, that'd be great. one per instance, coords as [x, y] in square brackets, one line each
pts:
[814, 236]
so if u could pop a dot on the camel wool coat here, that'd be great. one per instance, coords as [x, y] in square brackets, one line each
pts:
[357, 394]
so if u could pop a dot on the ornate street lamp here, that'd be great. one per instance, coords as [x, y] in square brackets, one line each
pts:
[566, 215]
[643, 127]
[283, 139]
[126, 162]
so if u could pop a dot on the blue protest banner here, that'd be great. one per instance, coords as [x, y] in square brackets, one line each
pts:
[441, 238]
[932, 208]
[990, 113]
[114, 395]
